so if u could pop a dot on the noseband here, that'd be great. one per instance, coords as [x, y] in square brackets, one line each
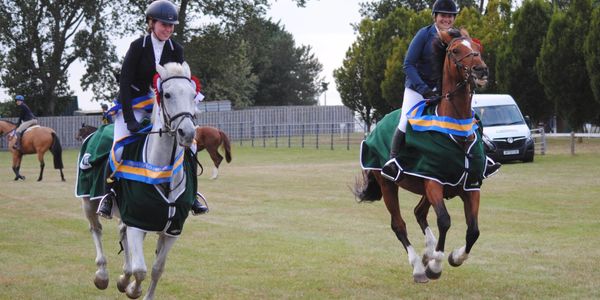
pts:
[168, 119]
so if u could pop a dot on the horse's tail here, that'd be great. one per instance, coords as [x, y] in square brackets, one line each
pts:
[56, 150]
[366, 187]
[226, 145]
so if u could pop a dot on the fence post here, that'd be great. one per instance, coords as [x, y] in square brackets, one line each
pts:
[332, 130]
[289, 135]
[264, 133]
[572, 142]
[303, 135]
[317, 139]
[543, 132]
[348, 135]
[253, 132]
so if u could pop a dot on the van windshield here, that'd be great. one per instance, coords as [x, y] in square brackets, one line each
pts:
[499, 115]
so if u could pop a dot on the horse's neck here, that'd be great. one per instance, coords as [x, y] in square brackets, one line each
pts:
[6, 127]
[160, 147]
[458, 104]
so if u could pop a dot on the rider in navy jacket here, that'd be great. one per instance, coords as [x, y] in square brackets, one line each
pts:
[26, 120]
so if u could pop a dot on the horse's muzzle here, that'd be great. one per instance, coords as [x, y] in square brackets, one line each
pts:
[480, 75]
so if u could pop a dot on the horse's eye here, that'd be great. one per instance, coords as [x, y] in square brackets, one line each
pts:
[455, 51]
[167, 95]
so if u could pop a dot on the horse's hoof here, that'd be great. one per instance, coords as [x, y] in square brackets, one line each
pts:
[132, 292]
[431, 274]
[452, 262]
[122, 283]
[101, 281]
[420, 278]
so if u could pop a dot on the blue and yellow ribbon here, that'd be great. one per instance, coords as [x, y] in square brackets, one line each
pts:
[422, 122]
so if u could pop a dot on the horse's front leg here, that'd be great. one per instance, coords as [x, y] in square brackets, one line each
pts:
[435, 195]
[89, 209]
[390, 197]
[124, 278]
[163, 246]
[135, 244]
[471, 207]
[421, 211]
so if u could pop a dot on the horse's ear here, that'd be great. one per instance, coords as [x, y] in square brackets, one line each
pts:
[162, 72]
[464, 32]
[445, 37]
[186, 70]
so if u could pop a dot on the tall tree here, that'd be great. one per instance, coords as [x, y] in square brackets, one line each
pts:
[221, 61]
[39, 40]
[515, 67]
[287, 74]
[349, 81]
[561, 65]
[591, 49]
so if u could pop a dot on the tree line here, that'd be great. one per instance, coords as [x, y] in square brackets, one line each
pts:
[546, 54]
[236, 51]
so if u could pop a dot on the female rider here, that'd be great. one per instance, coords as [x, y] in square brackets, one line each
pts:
[421, 80]
[137, 72]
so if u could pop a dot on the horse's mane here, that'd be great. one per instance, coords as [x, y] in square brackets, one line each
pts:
[439, 55]
[174, 69]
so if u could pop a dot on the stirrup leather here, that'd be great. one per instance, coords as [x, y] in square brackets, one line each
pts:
[392, 177]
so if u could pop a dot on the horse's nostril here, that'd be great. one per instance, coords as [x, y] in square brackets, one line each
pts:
[180, 132]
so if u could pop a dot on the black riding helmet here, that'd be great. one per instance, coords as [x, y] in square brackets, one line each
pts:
[164, 11]
[444, 7]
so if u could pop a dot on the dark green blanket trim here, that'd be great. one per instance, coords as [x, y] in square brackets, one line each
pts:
[427, 154]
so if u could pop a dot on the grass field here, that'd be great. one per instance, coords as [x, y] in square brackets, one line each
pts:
[284, 225]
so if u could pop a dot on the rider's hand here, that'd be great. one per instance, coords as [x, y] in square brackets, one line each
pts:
[133, 126]
[430, 95]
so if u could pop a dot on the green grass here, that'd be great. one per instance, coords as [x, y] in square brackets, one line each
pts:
[283, 224]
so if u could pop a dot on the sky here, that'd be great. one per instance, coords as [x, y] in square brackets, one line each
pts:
[324, 25]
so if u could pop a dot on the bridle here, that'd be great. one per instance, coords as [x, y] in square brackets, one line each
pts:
[461, 68]
[167, 118]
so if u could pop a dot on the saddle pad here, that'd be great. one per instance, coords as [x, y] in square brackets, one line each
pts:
[91, 163]
[427, 154]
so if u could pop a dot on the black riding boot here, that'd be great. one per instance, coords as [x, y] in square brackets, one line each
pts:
[391, 169]
[106, 203]
[491, 168]
[198, 207]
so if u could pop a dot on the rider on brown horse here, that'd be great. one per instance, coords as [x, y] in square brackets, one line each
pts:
[26, 120]
[423, 80]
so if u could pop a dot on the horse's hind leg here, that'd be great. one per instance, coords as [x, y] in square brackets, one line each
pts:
[390, 197]
[163, 246]
[471, 207]
[42, 165]
[89, 209]
[216, 158]
[17, 167]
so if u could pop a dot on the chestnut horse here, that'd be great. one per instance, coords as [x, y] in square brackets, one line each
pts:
[463, 70]
[36, 139]
[211, 139]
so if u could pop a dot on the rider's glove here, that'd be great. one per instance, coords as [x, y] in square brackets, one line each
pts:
[133, 126]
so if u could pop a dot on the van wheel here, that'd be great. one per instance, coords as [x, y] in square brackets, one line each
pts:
[528, 158]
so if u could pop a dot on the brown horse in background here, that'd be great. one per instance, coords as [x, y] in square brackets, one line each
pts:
[211, 139]
[84, 132]
[36, 139]
[463, 70]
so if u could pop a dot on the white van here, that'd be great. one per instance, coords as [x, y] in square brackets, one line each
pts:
[504, 124]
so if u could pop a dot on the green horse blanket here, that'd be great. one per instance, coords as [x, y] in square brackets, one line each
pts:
[141, 205]
[426, 154]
